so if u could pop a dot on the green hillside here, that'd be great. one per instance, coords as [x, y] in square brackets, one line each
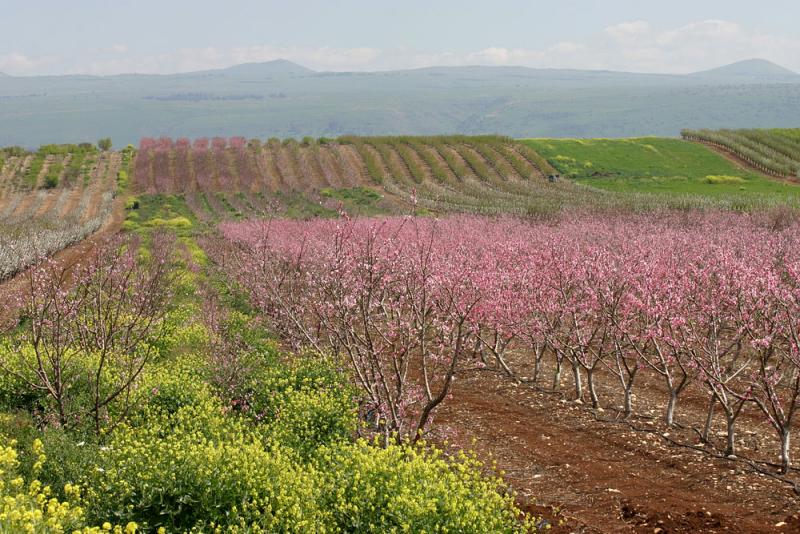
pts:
[656, 165]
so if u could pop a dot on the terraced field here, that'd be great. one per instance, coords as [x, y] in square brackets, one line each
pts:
[235, 178]
[52, 199]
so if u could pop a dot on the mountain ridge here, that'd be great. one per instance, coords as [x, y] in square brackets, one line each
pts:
[284, 67]
[283, 99]
[749, 68]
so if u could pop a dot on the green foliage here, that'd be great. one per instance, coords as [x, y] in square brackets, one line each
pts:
[407, 489]
[159, 211]
[176, 223]
[32, 173]
[74, 168]
[132, 203]
[198, 468]
[104, 144]
[370, 162]
[122, 179]
[52, 177]
[13, 151]
[31, 507]
[185, 463]
[355, 200]
[306, 419]
[63, 150]
[15, 393]
[69, 455]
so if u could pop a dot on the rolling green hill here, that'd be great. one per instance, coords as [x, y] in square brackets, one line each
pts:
[657, 165]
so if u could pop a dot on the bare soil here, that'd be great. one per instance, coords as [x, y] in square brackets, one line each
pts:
[588, 471]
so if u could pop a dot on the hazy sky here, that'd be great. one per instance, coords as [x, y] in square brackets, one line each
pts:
[114, 36]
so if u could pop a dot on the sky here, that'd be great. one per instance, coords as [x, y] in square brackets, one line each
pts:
[147, 36]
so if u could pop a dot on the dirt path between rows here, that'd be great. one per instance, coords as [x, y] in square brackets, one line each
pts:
[606, 477]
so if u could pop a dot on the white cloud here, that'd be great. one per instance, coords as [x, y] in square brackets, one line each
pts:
[16, 63]
[635, 45]
[625, 31]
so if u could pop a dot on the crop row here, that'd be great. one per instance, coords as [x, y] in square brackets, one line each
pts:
[468, 173]
[37, 223]
[775, 151]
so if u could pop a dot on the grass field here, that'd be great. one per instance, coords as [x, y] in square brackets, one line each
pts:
[656, 165]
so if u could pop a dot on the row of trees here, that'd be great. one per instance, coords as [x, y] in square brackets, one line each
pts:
[698, 301]
[775, 151]
[446, 172]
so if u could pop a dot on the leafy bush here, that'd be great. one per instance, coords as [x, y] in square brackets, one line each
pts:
[69, 455]
[187, 463]
[412, 489]
[199, 468]
[31, 508]
[168, 388]
[51, 180]
[306, 420]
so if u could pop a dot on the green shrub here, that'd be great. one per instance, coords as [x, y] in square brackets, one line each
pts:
[15, 393]
[306, 420]
[412, 489]
[69, 454]
[129, 226]
[30, 508]
[199, 468]
[722, 179]
[268, 387]
[168, 388]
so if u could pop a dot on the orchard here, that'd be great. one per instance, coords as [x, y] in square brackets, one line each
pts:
[708, 301]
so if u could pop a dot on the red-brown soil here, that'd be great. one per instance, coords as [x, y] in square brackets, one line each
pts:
[584, 474]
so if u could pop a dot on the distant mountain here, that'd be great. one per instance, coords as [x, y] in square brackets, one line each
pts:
[279, 68]
[283, 99]
[750, 71]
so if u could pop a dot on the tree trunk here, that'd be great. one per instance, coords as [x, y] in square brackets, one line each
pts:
[785, 454]
[592, 391]
[709, 419]
[538, 356]
[537, 365]
[730, 420]
[557, 375]
[576, 373]
[628, 406]
[673, 400]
